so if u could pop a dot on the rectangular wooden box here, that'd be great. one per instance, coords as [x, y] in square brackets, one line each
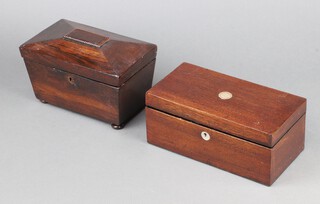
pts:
[90, 71]
[235, 125]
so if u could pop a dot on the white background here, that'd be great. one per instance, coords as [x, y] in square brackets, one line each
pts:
[50, 155]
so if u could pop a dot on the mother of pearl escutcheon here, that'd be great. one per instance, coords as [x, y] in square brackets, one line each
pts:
[225, 95]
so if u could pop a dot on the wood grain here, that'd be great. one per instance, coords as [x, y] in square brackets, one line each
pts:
[287, 149]
[115, 105]
[132, 93]
[74, 92]
[256, 132]
[223, 151]
[90, 71]
[113, 62]
[244, 158]
[255, 113]
[87, 38]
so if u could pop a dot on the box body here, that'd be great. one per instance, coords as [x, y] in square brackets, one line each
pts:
[186, 115]
[115, 105]
[90, 71]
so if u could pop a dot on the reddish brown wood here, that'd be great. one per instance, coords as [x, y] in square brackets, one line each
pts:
[255, 113]
[287, 149]
[113, 63]
[86, 37]
[229, 153]
[74, 92]
[255, 134]
[115, 105]
[90, 71]
[247, 159]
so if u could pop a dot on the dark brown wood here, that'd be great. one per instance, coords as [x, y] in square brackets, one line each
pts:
[256, 134]
[255, 113]
[115, 105]
[90, 71]
[74, 92]
[86, 37]
[113, 63]
[117, 127]
[132, 93]
[244, 158]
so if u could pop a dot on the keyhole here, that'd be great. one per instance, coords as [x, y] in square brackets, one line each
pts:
[205, 135]
[71, 80]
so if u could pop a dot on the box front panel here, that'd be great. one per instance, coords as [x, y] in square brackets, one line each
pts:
[209, 146]
[74, 92]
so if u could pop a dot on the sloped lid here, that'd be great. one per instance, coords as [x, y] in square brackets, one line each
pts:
[90, 52]
[243, 109]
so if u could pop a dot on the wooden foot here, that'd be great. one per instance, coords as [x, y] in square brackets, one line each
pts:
[117, 127]
[43, 101]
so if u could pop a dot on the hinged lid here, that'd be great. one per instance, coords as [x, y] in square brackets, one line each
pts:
[234, 106]
[90, 52]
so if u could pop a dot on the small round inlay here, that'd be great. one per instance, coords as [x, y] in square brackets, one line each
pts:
[205, 135]
[225, 95]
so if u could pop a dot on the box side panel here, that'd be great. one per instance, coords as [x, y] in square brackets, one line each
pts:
[140, 64]
[289, 123]
[287, 149]
[223, 151]
[132, 93]
[74, 92]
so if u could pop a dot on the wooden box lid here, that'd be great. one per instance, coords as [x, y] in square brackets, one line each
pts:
[240, 108]
[90, 52]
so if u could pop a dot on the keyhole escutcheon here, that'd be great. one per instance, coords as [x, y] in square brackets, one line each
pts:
[205, 136]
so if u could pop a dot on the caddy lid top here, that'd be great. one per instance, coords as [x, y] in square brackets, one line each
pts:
[90, 52]
[240, 108]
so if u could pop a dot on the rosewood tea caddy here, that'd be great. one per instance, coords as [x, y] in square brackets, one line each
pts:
[235, 125]
[90, 71]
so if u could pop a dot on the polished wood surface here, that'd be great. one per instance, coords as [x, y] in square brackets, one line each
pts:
[132, 93]
[74, 92]
[238, 156]
[254, 113]
[255, 131]
[90, 71]
[86, 37]
[287, 149]
[115, 105]
[90, 52]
